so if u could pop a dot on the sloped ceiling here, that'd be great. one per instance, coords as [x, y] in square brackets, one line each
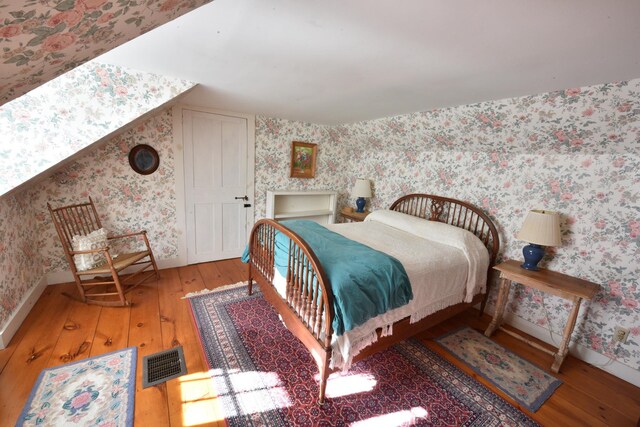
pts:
[40, 40]
[51, 124]
[334, 62]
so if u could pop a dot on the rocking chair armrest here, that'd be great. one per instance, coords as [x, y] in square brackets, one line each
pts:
[120, 236]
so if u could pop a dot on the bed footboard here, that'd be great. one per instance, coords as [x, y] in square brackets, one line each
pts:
[307, 304]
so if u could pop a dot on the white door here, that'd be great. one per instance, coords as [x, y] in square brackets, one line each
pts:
[215, 167]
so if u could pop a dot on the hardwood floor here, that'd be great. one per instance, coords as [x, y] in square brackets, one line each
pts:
[159, 319]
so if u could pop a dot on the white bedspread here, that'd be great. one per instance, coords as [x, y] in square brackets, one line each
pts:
[446, 265]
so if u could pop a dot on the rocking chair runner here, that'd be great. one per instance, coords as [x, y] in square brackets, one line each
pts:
[82, 220]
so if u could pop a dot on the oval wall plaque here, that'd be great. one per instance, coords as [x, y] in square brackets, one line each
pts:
[144, 159]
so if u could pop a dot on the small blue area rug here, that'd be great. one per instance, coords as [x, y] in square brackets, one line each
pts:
[525, 383]
[98, 391]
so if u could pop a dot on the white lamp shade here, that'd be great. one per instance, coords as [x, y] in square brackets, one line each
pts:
[541, 227]
[362, 188]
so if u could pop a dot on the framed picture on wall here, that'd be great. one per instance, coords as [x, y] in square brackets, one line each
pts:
[303, 159]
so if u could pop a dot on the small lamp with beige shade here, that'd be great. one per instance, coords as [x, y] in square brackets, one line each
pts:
[540, 228]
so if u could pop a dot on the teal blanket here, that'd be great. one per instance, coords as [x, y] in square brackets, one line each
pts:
[365, 282]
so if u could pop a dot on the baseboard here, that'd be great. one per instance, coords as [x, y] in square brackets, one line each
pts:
[579, 351]
[59, 277]
[21, 313]
[66, 276]
[171, 263]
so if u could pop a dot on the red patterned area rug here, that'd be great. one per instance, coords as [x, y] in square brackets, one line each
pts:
[265, 377]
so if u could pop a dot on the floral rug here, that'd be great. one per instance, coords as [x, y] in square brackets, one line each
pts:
[93, 392]
[524, 382]
[264, 376]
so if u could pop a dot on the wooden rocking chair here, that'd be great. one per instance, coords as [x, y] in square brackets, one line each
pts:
[75, 221]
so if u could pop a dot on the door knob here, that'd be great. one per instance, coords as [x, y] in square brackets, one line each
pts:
[245, 198]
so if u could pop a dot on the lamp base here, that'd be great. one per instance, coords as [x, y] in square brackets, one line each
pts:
[532, 255]
[360, 202]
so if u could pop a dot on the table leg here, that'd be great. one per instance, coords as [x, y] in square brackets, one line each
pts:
[566, 336]
[503, 296]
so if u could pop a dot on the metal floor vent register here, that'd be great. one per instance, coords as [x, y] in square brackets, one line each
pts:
[160, 367]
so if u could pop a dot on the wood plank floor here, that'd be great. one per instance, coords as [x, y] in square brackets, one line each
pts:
[59, 329]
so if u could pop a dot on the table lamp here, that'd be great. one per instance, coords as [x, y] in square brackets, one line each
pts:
[361, 189]
[540, 228]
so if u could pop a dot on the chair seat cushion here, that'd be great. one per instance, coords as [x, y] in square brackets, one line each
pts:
[121, 262]
[95, 240]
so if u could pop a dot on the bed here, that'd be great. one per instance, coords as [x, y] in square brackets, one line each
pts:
[301, 292]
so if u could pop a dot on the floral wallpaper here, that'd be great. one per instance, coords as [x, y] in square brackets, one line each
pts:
[575, 151]
[273, 159]
[40, 40]
[125, 200]
[70, 113]
[56, 121]
[20, 261]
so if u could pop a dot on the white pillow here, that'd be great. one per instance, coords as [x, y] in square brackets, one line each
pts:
[474, 250]
[94, 240]
[432, 230]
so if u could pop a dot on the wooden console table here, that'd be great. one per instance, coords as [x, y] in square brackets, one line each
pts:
[558, 284]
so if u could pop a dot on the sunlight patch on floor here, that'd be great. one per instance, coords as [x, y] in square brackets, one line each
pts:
[198, 397]
[394, 419]
[339, 384]
[212, 396]
[243, 393]
[205, 394]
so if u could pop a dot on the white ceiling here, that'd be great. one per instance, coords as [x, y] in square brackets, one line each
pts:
[337, 61]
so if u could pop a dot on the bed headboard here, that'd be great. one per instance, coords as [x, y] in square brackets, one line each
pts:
[454, 212]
